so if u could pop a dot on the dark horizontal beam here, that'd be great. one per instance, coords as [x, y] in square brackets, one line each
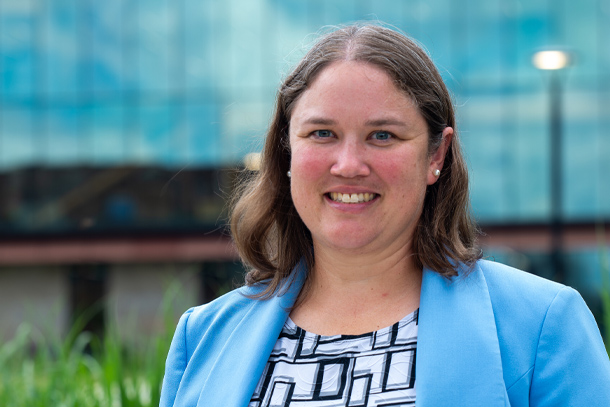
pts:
[218, 247]
[118, 250]
[538, 236]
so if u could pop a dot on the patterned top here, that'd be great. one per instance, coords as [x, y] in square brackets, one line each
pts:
[372, 369]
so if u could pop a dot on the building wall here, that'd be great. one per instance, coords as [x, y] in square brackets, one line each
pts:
[138, 294]
[36, 296]
[137, 299]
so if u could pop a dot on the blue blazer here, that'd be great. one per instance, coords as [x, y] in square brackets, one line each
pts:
[495, 337]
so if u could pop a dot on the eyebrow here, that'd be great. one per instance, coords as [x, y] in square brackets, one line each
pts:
[386, 122]
[372, 123]
[319, 120]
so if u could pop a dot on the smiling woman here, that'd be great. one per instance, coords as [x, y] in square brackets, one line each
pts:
[362, 254]
[269, 233]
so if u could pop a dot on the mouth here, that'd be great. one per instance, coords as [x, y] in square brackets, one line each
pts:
[351, 198]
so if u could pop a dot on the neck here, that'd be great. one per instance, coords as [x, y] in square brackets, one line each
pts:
[353, 293]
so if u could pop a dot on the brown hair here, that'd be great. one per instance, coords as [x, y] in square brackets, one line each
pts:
[268, 232]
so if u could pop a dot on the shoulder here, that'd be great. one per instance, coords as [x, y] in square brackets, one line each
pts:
[546, 329]
[524, 300]
[505, 282]
[216, 320]
[523, 304]
[498, 272]
[201, 337]
[219, 314]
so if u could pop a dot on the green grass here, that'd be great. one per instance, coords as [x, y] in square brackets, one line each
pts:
[83, 370]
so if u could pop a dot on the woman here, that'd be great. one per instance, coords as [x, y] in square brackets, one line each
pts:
[363, 254]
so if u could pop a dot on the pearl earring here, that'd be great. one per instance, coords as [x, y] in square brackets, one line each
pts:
[437, 172]
[289, 174]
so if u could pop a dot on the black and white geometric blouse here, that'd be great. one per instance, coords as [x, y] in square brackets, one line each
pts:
[372, 369]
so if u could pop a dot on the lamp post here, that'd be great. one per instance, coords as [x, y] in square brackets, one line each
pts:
[554, 61]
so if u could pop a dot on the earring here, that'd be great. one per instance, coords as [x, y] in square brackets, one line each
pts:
[437, 172]
[289, 174]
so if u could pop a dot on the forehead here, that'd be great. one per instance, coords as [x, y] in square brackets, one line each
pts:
[356, 89]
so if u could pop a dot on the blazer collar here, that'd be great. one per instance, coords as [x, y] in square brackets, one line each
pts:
[254, 335]
[458, 353]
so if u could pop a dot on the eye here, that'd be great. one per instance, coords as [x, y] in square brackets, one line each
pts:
[322, 133]
[381, 135]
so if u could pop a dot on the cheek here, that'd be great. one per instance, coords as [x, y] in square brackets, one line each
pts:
[397, 168]
[308, 169]
[407, 174]
[308, 164]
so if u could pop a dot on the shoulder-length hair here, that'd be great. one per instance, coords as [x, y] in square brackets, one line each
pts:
[270, 236]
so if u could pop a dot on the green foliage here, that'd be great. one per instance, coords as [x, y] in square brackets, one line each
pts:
[83, 370]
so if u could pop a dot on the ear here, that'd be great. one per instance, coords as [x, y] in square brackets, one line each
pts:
[437, 158]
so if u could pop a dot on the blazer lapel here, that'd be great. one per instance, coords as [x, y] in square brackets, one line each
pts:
[458, 354]
[233, 377]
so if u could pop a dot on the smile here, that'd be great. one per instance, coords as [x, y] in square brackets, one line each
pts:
[351, 198]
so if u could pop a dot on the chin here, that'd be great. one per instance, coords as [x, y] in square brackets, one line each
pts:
[347, 241]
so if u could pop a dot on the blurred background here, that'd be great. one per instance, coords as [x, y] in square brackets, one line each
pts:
[124, 123]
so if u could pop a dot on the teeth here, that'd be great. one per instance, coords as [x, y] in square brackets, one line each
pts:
[351, 198]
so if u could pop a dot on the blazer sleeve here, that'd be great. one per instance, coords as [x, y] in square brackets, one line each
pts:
[572, 367]
[176, 362]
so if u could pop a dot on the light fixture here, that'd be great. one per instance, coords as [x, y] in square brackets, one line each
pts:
[551, 59]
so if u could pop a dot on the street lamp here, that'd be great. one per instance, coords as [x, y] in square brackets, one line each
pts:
[551, 60]
[554, 61]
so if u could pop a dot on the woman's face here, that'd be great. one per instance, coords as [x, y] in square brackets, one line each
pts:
[360, 164]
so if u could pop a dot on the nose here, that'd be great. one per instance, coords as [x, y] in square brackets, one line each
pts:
[350, 160]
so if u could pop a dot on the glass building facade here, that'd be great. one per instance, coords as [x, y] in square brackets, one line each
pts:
[190, 84]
